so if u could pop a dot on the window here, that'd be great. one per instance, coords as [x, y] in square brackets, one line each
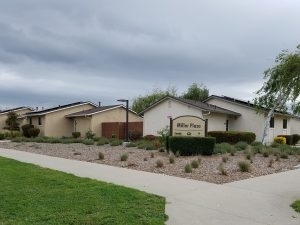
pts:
[40, 121]
[272, 122]
[284, 125]
[30, 120]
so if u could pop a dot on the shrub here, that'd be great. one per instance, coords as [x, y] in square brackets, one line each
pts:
[159, 163]
[100, 155]
[25, 130]
[280, 140]
[89, 134]
[256, 143]
[33, 132]
[249, 156]
[288, 139]
[88, 142]
[224, 159]
[244, 166]
[149, 137]
[115, 142]
[76, 134]
[131, 145]
[232, 152]
[2, 136]
[296, 138]
[192, 145]
[177, 154]
[124, 157]
[284, 155]
[241, 145]
[271, 162]
[101, 142]
[265, 153]
[195, 164]
[188, 168]
[222, 148]
[134, 135]
[222, 169]
[232, 137]
[152, 155]
[172, 158]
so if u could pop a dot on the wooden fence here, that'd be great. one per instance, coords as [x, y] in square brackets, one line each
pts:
[117, 129]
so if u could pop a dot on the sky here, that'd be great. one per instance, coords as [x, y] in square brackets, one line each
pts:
[55, 52]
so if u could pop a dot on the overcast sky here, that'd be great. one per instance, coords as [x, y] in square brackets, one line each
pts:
[62, 51]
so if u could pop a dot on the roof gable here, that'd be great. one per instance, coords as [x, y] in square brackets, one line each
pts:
[97, 110]
[58, 108]
[15, 109]
[197, 104]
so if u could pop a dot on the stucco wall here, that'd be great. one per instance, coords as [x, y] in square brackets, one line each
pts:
[35, 122]
[113, 115]
[216, 121]
[159, 116]
[295, 125]
[56, 125]
[83, 124]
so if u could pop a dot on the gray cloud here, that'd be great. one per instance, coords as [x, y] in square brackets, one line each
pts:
[100, 50]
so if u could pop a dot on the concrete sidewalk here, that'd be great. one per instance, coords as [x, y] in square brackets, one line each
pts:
[258, 201]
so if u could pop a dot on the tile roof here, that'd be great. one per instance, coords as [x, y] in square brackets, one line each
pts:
[57, 108]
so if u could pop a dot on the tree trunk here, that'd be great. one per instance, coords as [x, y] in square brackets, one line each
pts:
[280, 102]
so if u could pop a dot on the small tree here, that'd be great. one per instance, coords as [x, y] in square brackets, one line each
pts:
[282, 87]
[12, 122]
[196, 92]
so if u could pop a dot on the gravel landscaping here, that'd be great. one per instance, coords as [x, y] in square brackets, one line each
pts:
[220, 168]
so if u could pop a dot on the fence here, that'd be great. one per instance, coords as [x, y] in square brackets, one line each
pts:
[117, 129]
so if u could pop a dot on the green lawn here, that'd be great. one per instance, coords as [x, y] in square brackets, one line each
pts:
[296, 206]
[33, 195]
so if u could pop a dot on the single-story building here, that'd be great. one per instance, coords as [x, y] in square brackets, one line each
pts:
[157, 116]
[93, 119]
[20, 111]
[250, 120]
[223, 114]
[52, 121]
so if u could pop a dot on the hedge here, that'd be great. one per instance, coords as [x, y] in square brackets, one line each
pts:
[290, 139]
[232, 137]
[192, 145]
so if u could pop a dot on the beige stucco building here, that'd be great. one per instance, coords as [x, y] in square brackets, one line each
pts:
[92, 119]
[20, 111]
[222, 113]
[250, 120]
[53, 123]
[158, 115]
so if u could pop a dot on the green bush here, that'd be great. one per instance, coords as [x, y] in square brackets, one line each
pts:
[115, 142]
[88, 142]
[296, 138]
[159, 163]
[192, 145]
[149, 137]
[232, 137]
[124, 157]
[25, 130]
[33, 132]
[256, 143]
[241, 145]
[244, 166]
[89, 134]
[134, 135]
[222, 148]
[188, 168]
[195, 164]
[76, 134]
[2, 136]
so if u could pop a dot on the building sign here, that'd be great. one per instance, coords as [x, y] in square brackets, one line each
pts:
[188, 126]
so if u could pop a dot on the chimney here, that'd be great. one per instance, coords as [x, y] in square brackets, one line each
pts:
[99, 104]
